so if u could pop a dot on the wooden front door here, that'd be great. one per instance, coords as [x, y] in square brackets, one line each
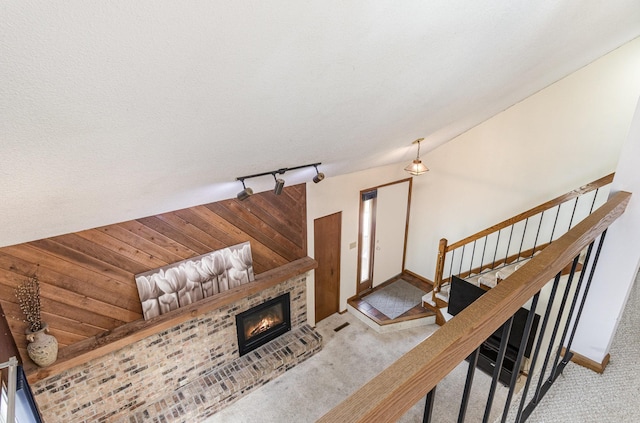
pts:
[327, 238]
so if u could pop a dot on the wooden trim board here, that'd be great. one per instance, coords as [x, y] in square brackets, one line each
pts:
[588, 363]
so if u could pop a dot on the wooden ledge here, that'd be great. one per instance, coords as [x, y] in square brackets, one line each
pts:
[107, 342]
[588, 363]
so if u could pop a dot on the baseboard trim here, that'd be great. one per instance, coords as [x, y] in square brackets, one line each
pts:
[588, 363]
[415, 275]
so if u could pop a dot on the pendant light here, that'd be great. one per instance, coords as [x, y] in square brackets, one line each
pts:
[416, 167]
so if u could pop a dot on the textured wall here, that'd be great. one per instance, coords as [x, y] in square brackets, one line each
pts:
[566, 135]
[110, 113]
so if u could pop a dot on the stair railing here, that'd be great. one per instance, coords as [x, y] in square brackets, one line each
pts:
[518, 238]
[414, 376]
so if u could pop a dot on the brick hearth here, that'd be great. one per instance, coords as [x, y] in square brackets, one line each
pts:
[214, 391]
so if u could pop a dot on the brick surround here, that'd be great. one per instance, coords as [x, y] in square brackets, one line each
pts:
[135, 383]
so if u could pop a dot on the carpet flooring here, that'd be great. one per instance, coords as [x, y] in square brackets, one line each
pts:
[350, 357]
[395, 299]
[356, 353]
[581, 395]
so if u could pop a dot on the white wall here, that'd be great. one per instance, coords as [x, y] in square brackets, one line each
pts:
[619, 260]
[558, 139]
[342, 193]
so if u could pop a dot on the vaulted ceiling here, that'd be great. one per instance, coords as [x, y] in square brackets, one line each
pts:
[115, 110]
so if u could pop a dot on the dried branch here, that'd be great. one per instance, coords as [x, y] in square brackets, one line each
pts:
[28, 294]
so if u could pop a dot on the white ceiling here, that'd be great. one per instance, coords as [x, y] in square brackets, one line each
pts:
[115, 110]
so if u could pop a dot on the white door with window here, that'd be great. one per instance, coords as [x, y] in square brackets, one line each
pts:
[391, 223]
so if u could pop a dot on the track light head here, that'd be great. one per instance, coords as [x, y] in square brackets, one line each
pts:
[277, 190]
[319, 175]
[245, 193]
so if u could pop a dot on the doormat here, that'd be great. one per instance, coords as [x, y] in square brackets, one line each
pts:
[395, 299]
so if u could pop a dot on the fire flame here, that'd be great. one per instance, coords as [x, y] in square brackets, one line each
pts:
[263, 325]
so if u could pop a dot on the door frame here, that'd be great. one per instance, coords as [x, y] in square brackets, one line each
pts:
[367, 285]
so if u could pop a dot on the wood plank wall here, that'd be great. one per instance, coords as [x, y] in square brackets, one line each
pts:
[87, 278]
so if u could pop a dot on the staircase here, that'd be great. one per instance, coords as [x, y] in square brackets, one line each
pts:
[538, 289]
[491, 255]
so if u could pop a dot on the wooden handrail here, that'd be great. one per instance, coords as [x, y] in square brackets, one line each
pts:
[444, 247]
[394, 391]
[605, 180]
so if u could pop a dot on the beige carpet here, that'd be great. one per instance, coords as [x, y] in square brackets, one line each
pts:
[580, 395]
[357, 353]
[351, 357]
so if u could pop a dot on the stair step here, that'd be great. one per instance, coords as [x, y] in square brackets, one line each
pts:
[444, 296]
[428, 300]
[445, 314]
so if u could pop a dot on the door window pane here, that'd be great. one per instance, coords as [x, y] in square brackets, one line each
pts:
[365, 258]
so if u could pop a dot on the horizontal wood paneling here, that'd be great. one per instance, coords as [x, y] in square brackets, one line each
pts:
[87, 278]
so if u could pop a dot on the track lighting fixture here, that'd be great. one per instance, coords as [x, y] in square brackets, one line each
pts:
[245, 193]
[416, 167]
[319, 175]
[277, 189]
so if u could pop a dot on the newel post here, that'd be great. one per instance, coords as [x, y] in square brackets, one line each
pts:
[437, 280]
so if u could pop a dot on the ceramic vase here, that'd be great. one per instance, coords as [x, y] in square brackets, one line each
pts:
[42, 347]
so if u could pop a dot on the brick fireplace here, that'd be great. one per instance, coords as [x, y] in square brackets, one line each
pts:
[182, 374]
